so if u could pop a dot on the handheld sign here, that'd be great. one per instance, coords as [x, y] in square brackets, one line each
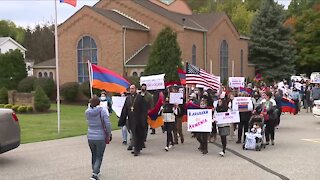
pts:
[236, 82]
[199, 120]
[242, 104]
[117, 104]
[176, 98]
[227, 117]
[153, 82]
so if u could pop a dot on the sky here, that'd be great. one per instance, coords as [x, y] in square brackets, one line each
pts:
[32, 12]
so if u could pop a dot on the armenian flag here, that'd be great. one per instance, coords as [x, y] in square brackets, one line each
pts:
[182, 76]
[71, 2]
[246, 90]
[105, 79]
[287, 105]
[154, 119]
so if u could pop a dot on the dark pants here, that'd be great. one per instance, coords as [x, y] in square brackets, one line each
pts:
[169, 128]
[269, 131]
[243, 125]
[202, 138]
[224, 143]
[214, 130]
[97, 148]
[296, 102]
[138, 135]
[277, 123]
[178, 130]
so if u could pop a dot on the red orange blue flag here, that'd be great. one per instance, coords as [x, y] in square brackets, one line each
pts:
[105, 79]
[71, 2]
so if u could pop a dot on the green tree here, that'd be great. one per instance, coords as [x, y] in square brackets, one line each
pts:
[307, 38]
[165, 56]
[9, 29]
[12, 69]
[271, 48]
[41, 100]
[3, 95]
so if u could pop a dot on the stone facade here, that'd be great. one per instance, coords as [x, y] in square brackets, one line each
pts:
[23, 99]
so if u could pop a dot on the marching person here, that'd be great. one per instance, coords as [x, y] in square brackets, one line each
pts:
[224, 129]
[99, 133]
[269, 107]
[168, 115]
[202, 137]
[244, 123]
[135, 111]
[148, 98]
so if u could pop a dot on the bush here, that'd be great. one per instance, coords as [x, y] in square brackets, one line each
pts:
[22, 109]
[8, 106]
[3, 95]
[15, 108]
[26, 84]
[85, 89]
[69, 91]
[29, 109]
[47, 84]
[1, 105]
[41, 100]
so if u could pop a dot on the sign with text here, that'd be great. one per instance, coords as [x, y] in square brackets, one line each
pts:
[199, 120]
[117, 104]
[176, 98]
[153, 82]
[236, 82]
[242, 104]
[315, 77]
[227, 117]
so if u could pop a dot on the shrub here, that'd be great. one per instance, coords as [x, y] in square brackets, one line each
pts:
[69, 91]
[22, 109]
[85, 89]
[1, 105]
[41, 100]
[15, 108]
[26, 84]
[47, 84]
[8, 106]
[29, 108]
[3, 95]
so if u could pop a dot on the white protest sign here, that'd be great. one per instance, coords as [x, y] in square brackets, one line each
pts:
[117, 104]
[176, 98]
[298, 86]
[153, 82]
[315, 77]
[242, 104]
[236, 82]
[227, 117]
[199, 120]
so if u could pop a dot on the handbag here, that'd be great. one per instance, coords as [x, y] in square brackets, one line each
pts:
[107, 139]
[224, 131]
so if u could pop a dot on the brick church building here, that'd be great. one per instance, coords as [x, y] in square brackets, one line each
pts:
[118, 34]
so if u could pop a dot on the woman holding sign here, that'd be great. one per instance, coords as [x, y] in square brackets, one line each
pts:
[202, 137]
[224, 129]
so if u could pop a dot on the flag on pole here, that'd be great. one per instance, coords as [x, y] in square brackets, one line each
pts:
[246, 90]
[182, 76]
[155, 120]
[257, 78]
[71, 2]
[104, 79]
[288, 105]
[195, 75]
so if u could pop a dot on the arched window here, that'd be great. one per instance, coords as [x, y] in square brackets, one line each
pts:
[40, 75]
[241, 62]
[51, 75]
[224, 60]
[194, 54]
[135, 74]
[45, 74]
[87, 50]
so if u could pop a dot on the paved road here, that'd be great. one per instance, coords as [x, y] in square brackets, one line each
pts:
[291, 158]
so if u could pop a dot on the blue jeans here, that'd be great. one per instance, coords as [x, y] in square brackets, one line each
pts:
[97, 148]
[124, 133]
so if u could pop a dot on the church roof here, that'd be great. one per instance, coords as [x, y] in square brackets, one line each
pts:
[51, 63]
[141, 57]
[121, 19]
[207, 20]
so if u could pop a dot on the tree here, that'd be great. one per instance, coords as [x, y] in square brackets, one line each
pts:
[12, 69]
[9, 29]
[271, 48]
[165, 56]
[307, 38]
[41, 100]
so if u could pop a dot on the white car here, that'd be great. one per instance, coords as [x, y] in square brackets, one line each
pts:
[316, 108]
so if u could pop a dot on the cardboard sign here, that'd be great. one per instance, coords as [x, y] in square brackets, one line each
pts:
[227, 117]
[176, 98]
[236, 82]
[153, 82]
[117, 104]
[199, 120]
[242, 104]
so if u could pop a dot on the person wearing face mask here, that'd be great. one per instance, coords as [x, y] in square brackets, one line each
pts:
[148, 98]
[202, 137]
[224, 129]
[168, 113]
[106, 99]
[256, 99]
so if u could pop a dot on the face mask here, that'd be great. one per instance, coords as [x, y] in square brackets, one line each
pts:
[202, 105]
[103, 98]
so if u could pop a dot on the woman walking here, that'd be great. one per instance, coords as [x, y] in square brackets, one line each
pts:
[270, 113]
[202, 137]
[169, 119]
[224, 129]
[99, 133]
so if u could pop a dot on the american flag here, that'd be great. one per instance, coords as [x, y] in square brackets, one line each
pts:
[201, 78]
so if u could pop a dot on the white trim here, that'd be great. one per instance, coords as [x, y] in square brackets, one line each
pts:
[131, 18]
[15, 42]
[137, 52]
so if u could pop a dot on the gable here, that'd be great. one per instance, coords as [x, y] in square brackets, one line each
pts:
[225, 20]
[7, 43]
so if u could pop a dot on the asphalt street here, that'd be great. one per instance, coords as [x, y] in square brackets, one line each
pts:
[296, 155]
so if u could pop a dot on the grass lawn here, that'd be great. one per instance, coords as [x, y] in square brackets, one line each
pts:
[42, 127]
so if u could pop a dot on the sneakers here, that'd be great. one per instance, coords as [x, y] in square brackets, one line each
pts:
[170, 146]
[272, 142]
[221, 153]
[124, 142]
[166, 148]
[129, 148]
[267, 143]
[94, 177]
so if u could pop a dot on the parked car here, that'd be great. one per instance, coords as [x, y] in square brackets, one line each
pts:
[9, 130]
[316, 108]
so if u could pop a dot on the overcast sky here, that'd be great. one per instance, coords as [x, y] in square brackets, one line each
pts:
[32, 12]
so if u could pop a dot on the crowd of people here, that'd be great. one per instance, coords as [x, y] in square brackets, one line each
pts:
[266, 102]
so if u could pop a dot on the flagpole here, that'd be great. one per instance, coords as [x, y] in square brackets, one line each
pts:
[57, 63]
[90, 77]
